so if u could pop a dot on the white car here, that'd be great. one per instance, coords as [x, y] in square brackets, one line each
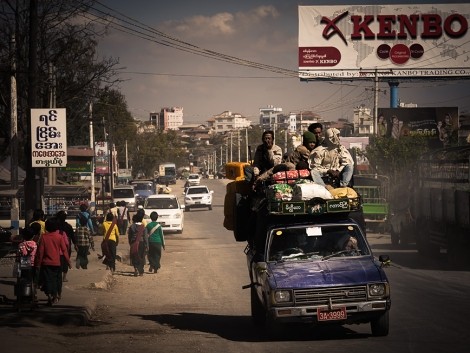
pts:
[170, 212]
[194, 179]
[197, 196]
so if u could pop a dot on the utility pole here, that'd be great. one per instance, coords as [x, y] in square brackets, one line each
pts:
[231, 145]
[246, 140]
[238, 144]
[376, 101]
[92, 146]
[127, 159]
[51, 171]
[34, 181]
[15, 212]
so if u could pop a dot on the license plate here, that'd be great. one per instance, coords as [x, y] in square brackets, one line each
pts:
[197, 202]
[331, 315]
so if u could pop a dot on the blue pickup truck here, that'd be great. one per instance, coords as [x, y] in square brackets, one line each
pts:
[312, 264]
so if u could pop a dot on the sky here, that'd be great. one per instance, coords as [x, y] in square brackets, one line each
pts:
[156, 75]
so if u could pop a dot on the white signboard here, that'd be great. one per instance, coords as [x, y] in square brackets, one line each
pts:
[48, 138]
[360, 41]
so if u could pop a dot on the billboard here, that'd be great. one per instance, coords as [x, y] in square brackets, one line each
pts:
[101, 158]
[48, 138]
[440, 124]
[392, 41]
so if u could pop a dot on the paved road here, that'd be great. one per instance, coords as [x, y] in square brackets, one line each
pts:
[196, 304]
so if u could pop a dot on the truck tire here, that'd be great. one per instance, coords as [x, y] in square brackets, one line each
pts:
[258, 314]
[380, 326]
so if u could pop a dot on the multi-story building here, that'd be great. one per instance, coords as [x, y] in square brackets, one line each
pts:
[363, 121]
[228, 121]
[271, 118]
[167, 119]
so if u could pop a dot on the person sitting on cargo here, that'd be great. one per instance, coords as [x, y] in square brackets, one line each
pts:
[331, 161]
[316, 129]
[267, 155]
[300, 156]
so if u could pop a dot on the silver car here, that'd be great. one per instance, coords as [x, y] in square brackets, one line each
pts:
[194, 179]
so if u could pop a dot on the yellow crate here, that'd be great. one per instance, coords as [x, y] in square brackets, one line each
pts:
[235, 170]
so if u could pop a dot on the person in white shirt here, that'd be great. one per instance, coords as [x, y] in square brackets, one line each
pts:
[331, 160]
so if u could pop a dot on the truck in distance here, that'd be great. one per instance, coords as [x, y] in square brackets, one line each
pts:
[167, 173]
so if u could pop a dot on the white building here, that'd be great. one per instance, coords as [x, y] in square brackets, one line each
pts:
[270, 117]
[363, 121]
[167, 119]
[172, 118]
[228, 121]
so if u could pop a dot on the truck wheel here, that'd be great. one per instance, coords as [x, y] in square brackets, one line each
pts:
[380, 325]
[258, 314]
[186, 209]
[210, 208]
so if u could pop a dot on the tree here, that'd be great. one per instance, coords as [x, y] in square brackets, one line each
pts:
[392, 157]
[68, 68]
[114, 123]
[155, 147]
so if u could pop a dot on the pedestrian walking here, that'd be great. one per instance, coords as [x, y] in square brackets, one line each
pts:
[66, 230]
[38, 218]
[110, 233]
[84, 214]
[156, 242]
[48, 259]
[138, 241]
[123, 217]
[84, 243]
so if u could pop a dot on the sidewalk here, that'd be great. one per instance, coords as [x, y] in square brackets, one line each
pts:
[79, 294]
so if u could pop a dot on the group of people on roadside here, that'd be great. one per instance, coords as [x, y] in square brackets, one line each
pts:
[146, 239]
[48, 243]
[328, 161]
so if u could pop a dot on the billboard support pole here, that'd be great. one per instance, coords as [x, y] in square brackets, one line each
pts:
[393, 93]
[376, 100]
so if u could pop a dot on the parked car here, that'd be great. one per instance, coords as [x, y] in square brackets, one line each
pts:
[197, 197]
[170, 211]
[194, 179]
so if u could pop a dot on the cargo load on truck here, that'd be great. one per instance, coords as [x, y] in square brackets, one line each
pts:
[289, 193]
